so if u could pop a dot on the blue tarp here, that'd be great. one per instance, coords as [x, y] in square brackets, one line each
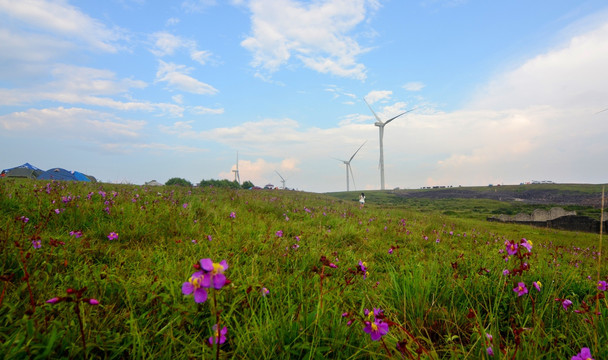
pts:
[57, 174]
[80, 176]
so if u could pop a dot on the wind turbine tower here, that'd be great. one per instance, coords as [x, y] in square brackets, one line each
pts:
[282, 180]
[237, 177]
[349, 168]
[381, 126]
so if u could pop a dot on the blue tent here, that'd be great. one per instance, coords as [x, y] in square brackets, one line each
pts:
[80, 176]
[57, 174]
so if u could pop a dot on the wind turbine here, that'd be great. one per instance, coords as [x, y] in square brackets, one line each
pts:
[282, 180]
[349, 168]
[381, 126]
[237, 177]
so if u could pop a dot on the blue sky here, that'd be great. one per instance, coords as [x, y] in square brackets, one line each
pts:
[135, 90]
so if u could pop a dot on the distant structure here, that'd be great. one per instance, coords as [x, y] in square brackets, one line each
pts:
[349, 168]
[381, 126]
[237, 176]
[282, 179]
[153, 183]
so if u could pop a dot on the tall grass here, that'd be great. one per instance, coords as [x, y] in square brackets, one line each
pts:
[303, 268]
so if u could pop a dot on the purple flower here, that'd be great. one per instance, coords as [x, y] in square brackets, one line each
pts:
[213, 273]
[333, 266]
[219, 337]
[185, 205]
[279, 233]
[57, 211]
[265, 291]
[93, 301]
[376, 329]
[194, 285]
[566, 303]
[37, 244]
[24, 219]
[209, 238]
[390, 251]
[76, 234]
[601, 285]
[113, 236]
[585, 354]
[521, 289]
[527, 244]
[512, 247]
[505, 272]
[53, 300]
[233, 215]
[490, 351]
[537, 285]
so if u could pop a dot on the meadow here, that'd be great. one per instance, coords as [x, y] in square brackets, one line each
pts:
[124, 271]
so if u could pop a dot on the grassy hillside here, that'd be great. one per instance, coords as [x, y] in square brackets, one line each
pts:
[118, 271]
[484, 201]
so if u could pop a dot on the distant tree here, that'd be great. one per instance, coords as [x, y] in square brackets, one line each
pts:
[224, 183]
[247, 185]
[178, 182]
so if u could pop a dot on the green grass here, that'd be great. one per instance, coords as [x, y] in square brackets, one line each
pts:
[441, 290]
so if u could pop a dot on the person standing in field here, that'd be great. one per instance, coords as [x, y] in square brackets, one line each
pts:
[362, 200]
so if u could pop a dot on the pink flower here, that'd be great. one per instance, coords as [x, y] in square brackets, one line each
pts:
[601, 285]
[521, 289]
[585, 354]
[537, 285]
[113, 236]
[233, 215]
[213, 273]
[265, 291]
[511, 247]
[93, 302]
[566, 304]
[194, 286]
[53, 300]
[219, 337]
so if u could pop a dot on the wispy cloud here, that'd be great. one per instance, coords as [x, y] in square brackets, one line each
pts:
[167, 44]
[176, 76]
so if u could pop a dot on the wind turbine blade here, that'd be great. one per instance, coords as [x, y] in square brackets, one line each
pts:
[344, 161]
[352, 176]
[600, 111]
[351, 158]
[279, 175]
[373, 112]
[393, 118]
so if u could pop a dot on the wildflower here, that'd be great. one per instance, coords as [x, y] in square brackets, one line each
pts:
[585, 354]
[537, 285]
[521, 289]
[601, 285]
[93, 301]
[113, 236]
[345, 314]
[57, 211]
[24, 219]
[279, 233]
[489, 336]
[209, 238]
[194, 285]
[219, 337]
[363, 268]
[566, 304]
[37, 244]
[213, 273]
[265, 291]
[298, 238]
[53, 300]
[390, 251]
[295, 246]
[490, 351]
[185, 205]
[332, 265]
[527, 244]
[505, 272]
[76, 234]
[233, 215]
[512, 247]
[376, 329]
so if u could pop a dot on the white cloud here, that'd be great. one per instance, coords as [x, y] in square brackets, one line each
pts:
[316, 33]
[167, 44]
[377, 95]
[413, 86]
[177, 76]
[62, 19]
[261, 172]
[200, 110]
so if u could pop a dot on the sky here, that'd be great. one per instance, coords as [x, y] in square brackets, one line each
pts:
[501, 92]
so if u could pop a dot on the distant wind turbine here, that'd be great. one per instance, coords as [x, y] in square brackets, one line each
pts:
[282, 180]
[600, 111]
[237, 176]
[381, 126]
[349, 168]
